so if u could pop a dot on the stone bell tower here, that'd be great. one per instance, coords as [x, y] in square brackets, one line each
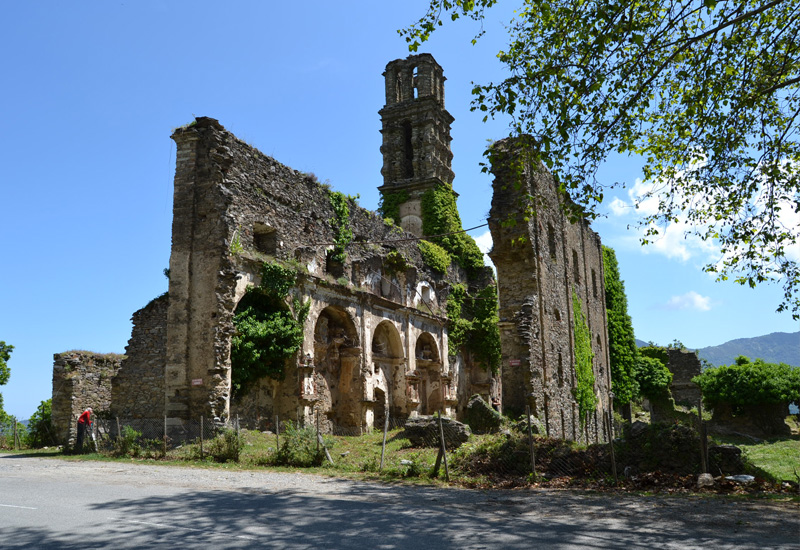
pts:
[416, 136]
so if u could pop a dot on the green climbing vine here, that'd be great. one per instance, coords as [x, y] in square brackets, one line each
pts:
[436, 257]
[269, 328]
[343, 235]
[473, 323]
[440, 216]
[584, 374]
[389, 207]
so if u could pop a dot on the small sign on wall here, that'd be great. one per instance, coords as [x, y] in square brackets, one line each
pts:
[514, 362]
[197, 381]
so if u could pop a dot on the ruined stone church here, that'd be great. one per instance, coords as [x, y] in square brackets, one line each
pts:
[375, 338]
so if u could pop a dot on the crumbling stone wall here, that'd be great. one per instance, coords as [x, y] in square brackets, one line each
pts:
[235, 208]
[137, 391]
[684, 365]
[81, 379]
[541, 259]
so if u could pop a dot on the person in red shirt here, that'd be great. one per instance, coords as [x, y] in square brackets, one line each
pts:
[84, 422]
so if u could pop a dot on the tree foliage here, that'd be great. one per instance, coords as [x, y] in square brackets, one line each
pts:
[40, 432]
[268, 330]
[623, 353]
[5, 355]
[472, 323]
[750, 383]
[652, 374]
[706, 92]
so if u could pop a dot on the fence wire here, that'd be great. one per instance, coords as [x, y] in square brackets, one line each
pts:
[514, 454]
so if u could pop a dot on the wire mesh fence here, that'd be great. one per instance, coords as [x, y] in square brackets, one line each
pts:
[432, 446]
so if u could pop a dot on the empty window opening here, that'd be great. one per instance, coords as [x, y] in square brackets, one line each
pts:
[551, 240]
[398, 89]
[408, 151]
[426, 294]
[594, 283]
[576, 273]
[560, 371]
[415, 82]
[265, 238]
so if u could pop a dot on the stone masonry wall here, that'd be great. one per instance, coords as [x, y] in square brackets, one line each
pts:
[81, 379]
[235, 208]
[137, 391]
[684, 365]
[541, 259]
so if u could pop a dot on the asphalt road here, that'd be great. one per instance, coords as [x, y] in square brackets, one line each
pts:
[50, 503]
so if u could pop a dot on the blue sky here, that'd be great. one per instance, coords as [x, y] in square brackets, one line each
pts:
[92, 91]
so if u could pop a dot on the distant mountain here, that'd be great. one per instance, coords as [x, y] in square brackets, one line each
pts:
[778, 347]
[641, 343]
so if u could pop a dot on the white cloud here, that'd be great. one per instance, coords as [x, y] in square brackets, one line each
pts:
[689, 301]
[485, 243]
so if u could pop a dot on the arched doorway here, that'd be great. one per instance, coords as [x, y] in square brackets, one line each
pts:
[337, 358]
[429, 375]
[386, 375]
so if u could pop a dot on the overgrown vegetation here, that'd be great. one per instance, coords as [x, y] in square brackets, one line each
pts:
[436, 257]
[226, 446]
[389, 207]
[623, 352]
[584, 390]
[750, 383]
[269, 328]
[299, 447]
[342, 234]
[440, 217]
[652, 374]
[473, 324]
[39, 430]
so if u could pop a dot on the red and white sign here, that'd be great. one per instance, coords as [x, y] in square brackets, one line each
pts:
[197, 381]
[514, 362]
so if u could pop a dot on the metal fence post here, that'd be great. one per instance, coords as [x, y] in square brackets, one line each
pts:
[165, 435]
[530, 439]
[610, 432]
[277, 434]
[444, 448]
[119, 432]
[201, 437]
[703, 437]
[383, 447]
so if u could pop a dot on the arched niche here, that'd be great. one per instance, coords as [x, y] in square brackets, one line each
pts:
[386, 342]
[426, 349]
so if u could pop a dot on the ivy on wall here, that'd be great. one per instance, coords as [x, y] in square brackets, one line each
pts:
[269, 330]
[389, 207]
[436, 257]
[584, 374]
[473, 323]
[342, 234]
[440, 216]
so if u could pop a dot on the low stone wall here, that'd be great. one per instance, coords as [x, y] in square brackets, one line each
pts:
[81, 379]
[137, 391]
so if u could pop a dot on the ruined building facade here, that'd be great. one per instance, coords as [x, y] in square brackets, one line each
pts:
[375, 339]
[546, 265]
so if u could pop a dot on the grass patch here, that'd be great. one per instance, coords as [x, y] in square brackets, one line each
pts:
[778, 457]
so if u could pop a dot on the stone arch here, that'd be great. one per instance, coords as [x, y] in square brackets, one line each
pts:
[387, 373]
[337, 358]
[386, 341]
[426, 348]
[429, 381]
